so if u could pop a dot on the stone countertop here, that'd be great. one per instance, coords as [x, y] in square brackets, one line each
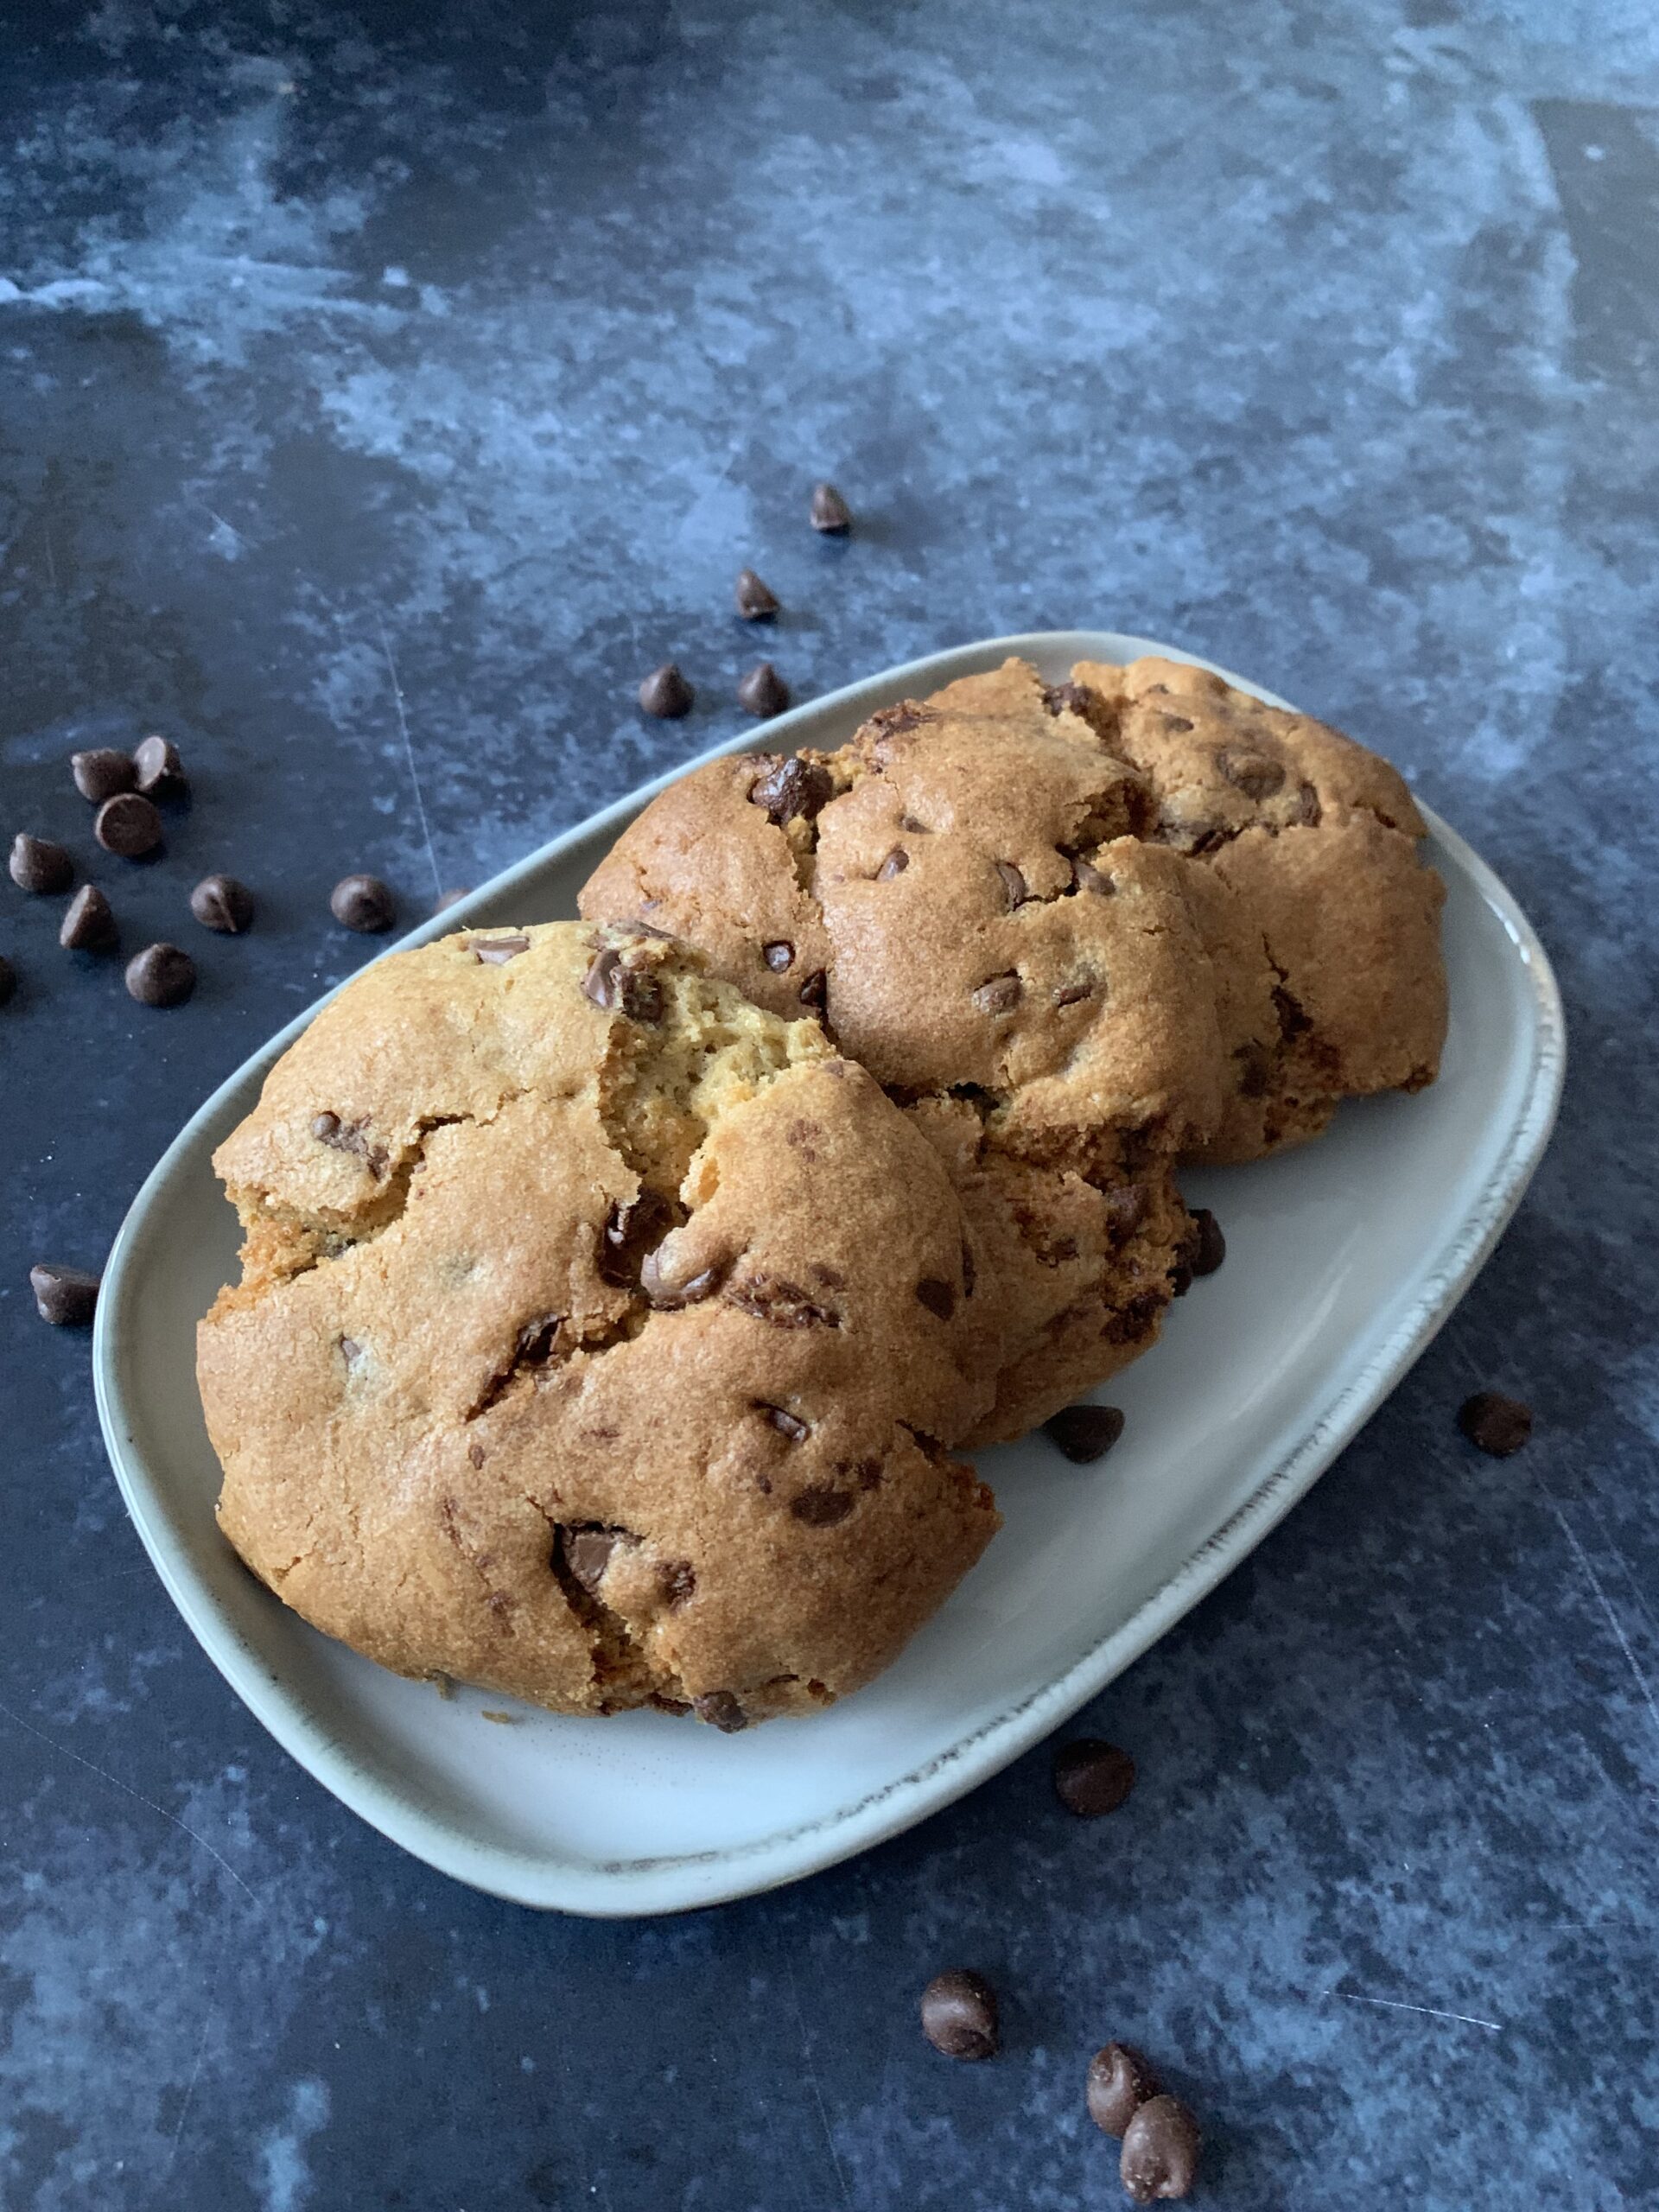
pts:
[382, 398]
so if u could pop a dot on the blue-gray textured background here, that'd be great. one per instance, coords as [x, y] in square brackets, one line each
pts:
[382, 391]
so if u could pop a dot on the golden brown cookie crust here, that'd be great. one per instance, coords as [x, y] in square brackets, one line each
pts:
[601, 1337]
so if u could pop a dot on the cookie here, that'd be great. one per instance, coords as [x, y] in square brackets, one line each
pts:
[966, 892]
[1319, 916]
[600, 1339]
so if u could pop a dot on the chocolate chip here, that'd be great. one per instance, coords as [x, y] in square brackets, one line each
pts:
[588, 1554]
[350, 1350]
[820, 1506]
[756, 602]
[1255, 1070]
[793, 786]
[8, 982]
[160, 771]
[664, 1293]
[1014, 884]
[815, 992]
[896, 864]
[1177, 723]
[763, 691]
[101, 772]
[630, 1232]
[363, 903]
[326, 1128]
[1309, 813]
[777, 956]
[1208, 1245]
[496, 951]
[1160, 2151]
[959, 2014]
[998, 995]
[1063, 698]
[1120, 2082]
[219, 902]
[128, 825]
[1072, 993]
[66, 1297]
[786, 1423]
[1090, 879]
[938, 1296]
[1495, 1424]
[780, 1304]
[666, 694]
[721, 1710]
[477, 1454]
[88, 922]
[38, 865]
[1253, 773]
[613, 985]
[830, 512]
[161, 975]
[445, 899]
[1092, 1777]
[1084, 1434]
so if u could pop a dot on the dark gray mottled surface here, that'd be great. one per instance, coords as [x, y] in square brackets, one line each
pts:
[379, 401]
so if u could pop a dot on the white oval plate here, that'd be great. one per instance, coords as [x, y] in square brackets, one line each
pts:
[1341, 1262]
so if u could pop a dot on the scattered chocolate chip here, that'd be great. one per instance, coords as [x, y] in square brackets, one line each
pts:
[664, 1293]
[445, 899]
[1160, 2150]
[1084, 1434]
[1063, 698]
[1001, 994]
[763, 691]
[1495, 1424]
[128, 825]
[101, 772]
[477, 1454]
[326, 1128]
[66, 1297]
[1014, 884]
[677, 1579]
[666, 694]
[1120, 2082]
[756, 602]
[815, 992]
[938, 1296]
[959, 2014]
[786, 1423]
[363, 903]
[630, 1232]
[496, 951]
[160, 771]
[1293, 1015]
[793, 786]
[618, 988]
[721, 1710]
[777, 956]
[1253, 773]
[1089, 879]
[1177, 723]
[1092, 1777]
[1210, 1246]
[8, 982]
[219, 902]
[830, 512]
[896, 864]
[350, 1350]
[161, 975]
[820, 1506]
[38, 865]
[1072, 993]
[88, 922]
[1309, 813]
[588, 1554]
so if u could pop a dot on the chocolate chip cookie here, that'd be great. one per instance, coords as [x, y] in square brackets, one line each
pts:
[601, 1337]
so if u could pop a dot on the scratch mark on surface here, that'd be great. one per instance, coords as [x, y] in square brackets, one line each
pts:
[812, 2076]
[1613, 1622]
[1432, 2011]
[408, 753]
[189, 2091]
[126, 1789]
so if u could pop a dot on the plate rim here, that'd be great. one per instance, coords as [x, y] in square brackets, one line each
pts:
[677, 1882]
